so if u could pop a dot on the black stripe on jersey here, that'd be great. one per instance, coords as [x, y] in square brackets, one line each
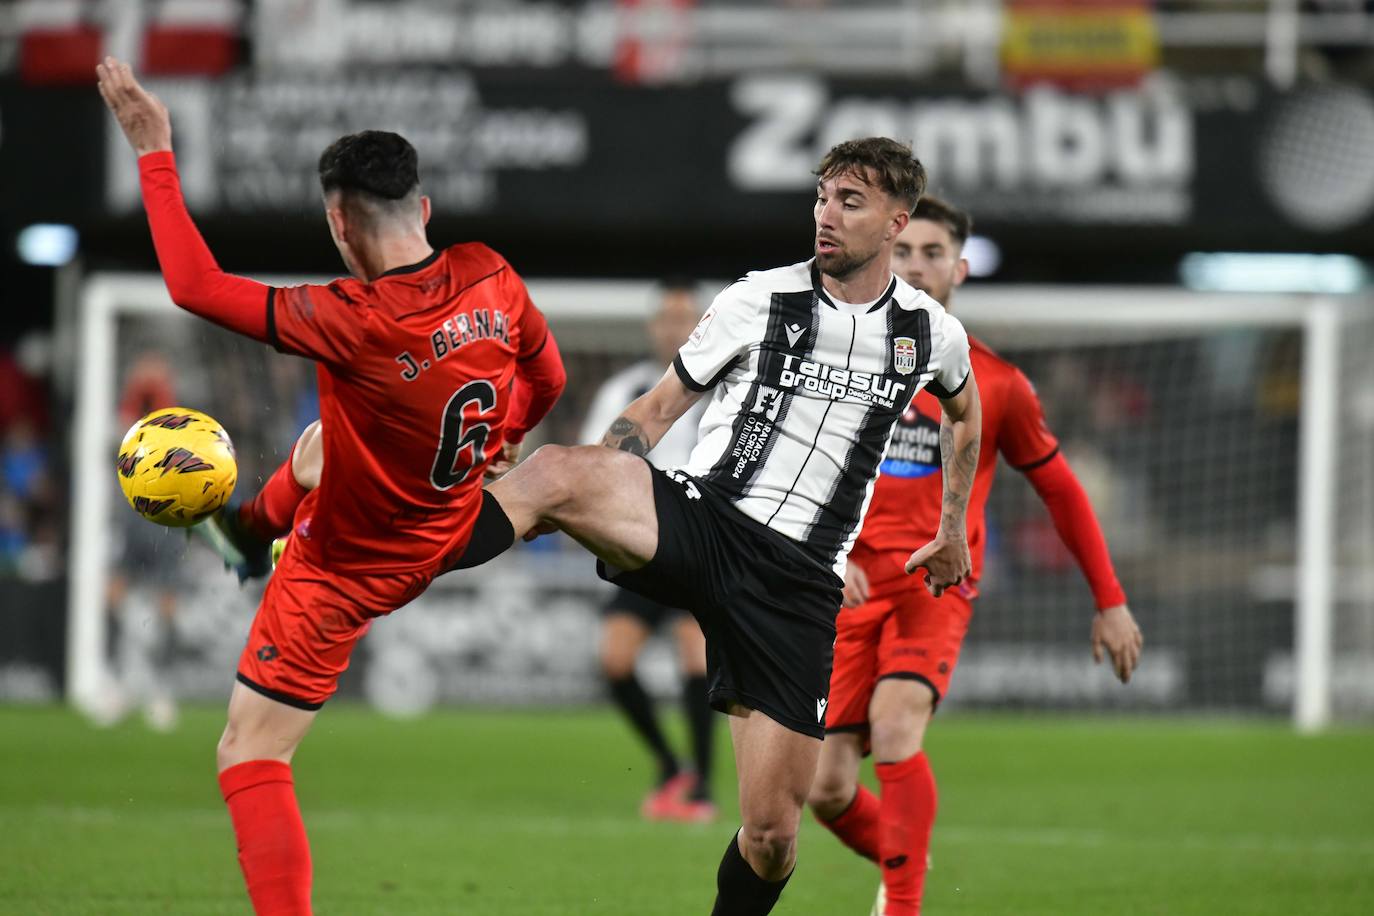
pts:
[1023, 468]
[807, 539]
[272, 337]
[793, 313]
[447, 302]
[838, 515]
[537, 350]
[692, 384]
[940, 392]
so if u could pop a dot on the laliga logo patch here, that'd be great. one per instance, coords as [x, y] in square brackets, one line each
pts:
[904, 355]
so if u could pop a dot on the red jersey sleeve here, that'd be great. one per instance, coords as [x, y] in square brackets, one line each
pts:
[325, 323]
[1024, 438]
[540, 376]
[194, 279]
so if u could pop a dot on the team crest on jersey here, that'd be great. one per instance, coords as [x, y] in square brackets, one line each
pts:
[904, 355]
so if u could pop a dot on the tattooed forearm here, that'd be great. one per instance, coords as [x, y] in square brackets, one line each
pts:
[959, 463]
[628, 436]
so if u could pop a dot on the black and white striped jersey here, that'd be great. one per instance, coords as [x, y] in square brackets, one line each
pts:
[806, 394]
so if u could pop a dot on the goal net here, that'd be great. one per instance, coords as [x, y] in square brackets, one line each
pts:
[1193, 420]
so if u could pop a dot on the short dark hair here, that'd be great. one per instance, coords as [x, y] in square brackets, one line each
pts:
[958, 222]
[880, 160]
[377, 163]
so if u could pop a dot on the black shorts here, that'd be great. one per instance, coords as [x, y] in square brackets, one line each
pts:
[766, 608]
[646, 610]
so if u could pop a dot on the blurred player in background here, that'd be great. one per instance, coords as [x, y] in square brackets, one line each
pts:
[897, 645]
[149, 570]
[809, 366]
[416, 358]
[629, 619]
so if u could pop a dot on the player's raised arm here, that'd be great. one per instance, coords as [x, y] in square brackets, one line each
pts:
[643, 423]
[193, 277]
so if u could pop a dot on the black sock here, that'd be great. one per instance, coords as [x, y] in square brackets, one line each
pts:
[701, 722]
[492, 535]
[741, 892]
[639, 709]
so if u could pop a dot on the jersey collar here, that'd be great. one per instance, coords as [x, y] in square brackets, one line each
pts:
[823, 296]
[411, 268]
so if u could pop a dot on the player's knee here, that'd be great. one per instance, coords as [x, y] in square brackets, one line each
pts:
[616, 664]
[772, 844]
[898, 732]
[227, 752]
[554, 470]
[830, 794]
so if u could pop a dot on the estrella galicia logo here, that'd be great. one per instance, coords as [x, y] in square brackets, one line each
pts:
[915, 447]
[268, 654]
[904, 354]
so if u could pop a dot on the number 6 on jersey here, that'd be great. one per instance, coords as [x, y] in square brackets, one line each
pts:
[455, 437]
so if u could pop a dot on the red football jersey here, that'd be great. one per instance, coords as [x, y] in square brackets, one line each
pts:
[905, 510]
[415, 373]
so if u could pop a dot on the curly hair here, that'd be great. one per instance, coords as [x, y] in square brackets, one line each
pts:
[881, 161]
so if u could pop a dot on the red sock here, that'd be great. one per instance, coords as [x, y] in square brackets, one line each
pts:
[908, 814]
[272, 511]
[858, 825]
[273, 850]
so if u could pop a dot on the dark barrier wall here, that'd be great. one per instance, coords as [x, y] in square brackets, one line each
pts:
[1168, 166]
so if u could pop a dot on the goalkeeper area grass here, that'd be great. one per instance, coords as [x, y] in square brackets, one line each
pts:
[535, 814]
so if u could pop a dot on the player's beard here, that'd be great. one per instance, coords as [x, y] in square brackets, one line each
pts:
[843, 263]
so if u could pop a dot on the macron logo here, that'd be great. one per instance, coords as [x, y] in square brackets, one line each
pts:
[820, 710]
[794, 333]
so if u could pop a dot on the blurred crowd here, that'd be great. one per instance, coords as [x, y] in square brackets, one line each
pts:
[31, 494]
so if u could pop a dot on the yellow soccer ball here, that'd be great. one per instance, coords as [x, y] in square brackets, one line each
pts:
[176, 466]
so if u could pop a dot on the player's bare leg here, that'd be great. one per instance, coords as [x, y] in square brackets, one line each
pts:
[307, 458]
[260, 728]
[898, 716]
[776, 766]
[254, 759]
[601, 497]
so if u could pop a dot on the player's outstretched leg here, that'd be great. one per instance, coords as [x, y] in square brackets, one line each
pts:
[776, 766]
[603, 498]
[898, 715]
[254, 758]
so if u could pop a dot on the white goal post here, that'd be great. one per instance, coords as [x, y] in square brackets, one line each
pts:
[1022, 318]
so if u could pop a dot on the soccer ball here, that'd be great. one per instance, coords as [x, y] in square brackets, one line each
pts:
[176, 466]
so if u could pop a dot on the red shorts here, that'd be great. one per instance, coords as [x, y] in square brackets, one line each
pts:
[901, 631]
[309, 620]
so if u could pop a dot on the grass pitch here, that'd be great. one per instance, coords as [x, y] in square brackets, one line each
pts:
[534, 814]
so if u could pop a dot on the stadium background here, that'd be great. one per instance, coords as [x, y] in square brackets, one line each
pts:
[1203, 159]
